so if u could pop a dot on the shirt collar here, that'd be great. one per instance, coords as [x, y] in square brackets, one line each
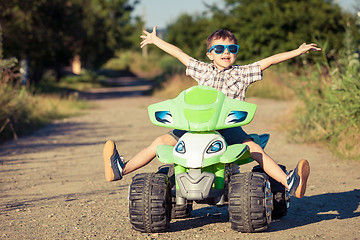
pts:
[212, 65]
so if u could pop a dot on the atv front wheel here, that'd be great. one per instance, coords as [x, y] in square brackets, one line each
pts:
[250, 202]
[177, 211]
[150, 202]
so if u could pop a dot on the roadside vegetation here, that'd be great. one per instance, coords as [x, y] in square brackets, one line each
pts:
[330, 96]
[23, 110]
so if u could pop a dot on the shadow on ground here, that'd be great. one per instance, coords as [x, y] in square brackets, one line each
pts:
[20, 205]
[314, 209]
[304, 211]
[46, 139]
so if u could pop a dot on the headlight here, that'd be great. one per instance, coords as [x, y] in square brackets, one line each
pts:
[180, 147]
[215, 147]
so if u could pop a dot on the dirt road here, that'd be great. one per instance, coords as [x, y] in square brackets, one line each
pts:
[53, 185]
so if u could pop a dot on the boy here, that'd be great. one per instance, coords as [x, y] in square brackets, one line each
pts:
[233, 81]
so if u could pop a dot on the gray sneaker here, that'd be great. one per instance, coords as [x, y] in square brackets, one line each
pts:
[297, 179]
[114, 163]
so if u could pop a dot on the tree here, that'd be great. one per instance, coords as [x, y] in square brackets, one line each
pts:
[271, 26]
[263, 27]
[190, 33]
[50, 32]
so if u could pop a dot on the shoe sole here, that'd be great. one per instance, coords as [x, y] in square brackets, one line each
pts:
[304, 172]
[108, 151]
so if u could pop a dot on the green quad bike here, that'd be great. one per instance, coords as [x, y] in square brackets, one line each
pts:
[201, 167]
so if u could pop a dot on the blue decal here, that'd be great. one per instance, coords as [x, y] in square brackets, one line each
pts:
[164, 117]
[236, 117]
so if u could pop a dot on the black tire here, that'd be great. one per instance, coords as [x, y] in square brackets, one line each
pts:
[250, 202]
[150, 202]
[168, 169]
[177, 211]
[280, 198]
[181, 211]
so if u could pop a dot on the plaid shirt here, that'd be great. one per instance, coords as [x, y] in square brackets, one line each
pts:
[232, 81]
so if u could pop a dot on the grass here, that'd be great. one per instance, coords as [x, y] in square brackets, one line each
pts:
[135, 62]
[173, 85]
[86, 80]
[330, 113]
[275, 85]
[23, 110]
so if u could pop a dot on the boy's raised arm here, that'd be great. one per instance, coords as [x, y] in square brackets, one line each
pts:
[152, 38]
[281, 57]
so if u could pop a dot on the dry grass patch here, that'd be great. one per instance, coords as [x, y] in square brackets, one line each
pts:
[173, 86]
[274, 86]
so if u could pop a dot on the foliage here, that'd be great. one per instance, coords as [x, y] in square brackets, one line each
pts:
[263, 28]
[190, 33]
[21, 111]
[68, 84]
[331, 111]
[13, 110]
[267, 27]
[132, 62]
[7, 71]
[15, 105]
[49, 33]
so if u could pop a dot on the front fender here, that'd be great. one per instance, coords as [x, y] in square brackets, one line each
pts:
[165, 153]
[236, 152]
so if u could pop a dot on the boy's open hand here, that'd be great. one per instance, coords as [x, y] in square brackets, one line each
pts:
[305, 48]
[148, 37]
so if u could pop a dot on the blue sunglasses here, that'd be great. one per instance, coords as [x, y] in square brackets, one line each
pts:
[232, 48]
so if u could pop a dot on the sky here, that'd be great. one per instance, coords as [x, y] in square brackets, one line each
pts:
[163, 12]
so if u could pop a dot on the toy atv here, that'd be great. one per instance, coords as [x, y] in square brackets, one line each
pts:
[201, 167]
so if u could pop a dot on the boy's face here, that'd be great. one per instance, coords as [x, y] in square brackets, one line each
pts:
[225, 59]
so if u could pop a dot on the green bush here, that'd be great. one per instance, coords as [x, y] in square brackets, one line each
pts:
[22, 111]
[16, 109]
[331, 110]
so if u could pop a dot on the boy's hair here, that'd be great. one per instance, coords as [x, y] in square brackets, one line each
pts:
[220, 34]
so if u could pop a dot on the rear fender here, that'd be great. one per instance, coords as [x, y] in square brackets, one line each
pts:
[262, 139]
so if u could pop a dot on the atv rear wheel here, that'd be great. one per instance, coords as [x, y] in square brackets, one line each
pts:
[250, 202]
[281, 196]
[150, 202]
[181, 211]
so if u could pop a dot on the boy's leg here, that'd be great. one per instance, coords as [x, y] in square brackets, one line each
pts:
[266, 162]
[147, 154]
[115, 167]
[296, 181]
